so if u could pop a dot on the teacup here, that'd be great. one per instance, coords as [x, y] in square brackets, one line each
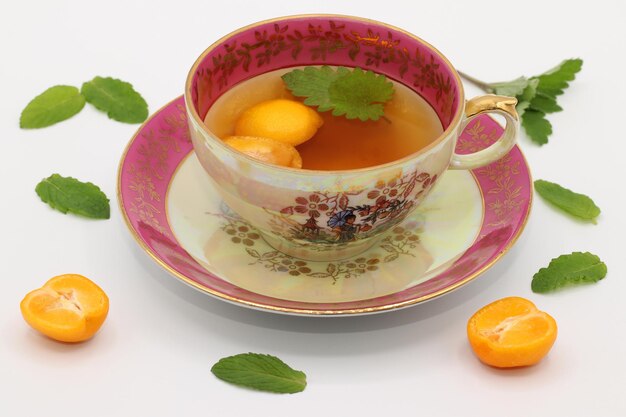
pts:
[329, 215]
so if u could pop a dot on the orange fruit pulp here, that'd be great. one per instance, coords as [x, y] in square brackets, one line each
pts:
[68, 308]
[267, 150]
[511, 332]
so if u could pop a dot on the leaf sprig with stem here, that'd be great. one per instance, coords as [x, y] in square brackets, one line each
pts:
[536, 96]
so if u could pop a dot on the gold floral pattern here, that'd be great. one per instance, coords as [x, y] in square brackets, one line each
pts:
[153, 164]
[320, 41]
[500, 173]
[505, 208]
[476, 138]
[243, 234]
[399, 242]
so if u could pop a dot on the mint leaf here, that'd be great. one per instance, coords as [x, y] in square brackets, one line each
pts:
[117, 98]
[313, 83]
[54, 105]
[554, 81]
[575, 268]
[578, 205]
[260, 372]
[355, 94]
[67, 194]
[536, 126]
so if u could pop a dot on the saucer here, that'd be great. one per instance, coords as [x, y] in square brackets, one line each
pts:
[175, 214]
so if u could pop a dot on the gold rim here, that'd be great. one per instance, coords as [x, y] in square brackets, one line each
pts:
[300, 311]
[446, 134]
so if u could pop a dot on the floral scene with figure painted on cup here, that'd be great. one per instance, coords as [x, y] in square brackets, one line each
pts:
[332, 217]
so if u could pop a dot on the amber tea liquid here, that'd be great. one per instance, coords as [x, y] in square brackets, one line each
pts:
[340, 143]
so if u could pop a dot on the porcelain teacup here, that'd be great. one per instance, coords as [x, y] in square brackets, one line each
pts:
[329, 215]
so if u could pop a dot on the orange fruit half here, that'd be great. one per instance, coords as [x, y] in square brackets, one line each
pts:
[68, 308]
[511, 332]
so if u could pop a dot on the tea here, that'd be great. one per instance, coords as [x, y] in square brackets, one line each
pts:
[410, 124]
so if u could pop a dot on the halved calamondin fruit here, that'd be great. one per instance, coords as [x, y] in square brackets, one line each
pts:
[68, 308]
[511, 332]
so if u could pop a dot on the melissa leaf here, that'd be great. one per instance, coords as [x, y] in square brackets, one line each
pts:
[360, 95]
[527, 95]
[314, 83]
[537, 127]
[509, 88]
[545, 104]
[355, 94]
[536, 96]
[556, 80]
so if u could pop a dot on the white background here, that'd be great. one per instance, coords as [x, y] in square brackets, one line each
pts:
[154, 353]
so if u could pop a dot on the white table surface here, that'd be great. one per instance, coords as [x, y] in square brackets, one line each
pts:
[153, 355]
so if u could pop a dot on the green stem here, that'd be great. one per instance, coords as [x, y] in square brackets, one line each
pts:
[478, 83]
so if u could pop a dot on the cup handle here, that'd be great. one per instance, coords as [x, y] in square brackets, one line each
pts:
[489, 103]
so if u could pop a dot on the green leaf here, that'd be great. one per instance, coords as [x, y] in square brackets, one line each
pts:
[536, 126]
[529, 92]
[578, 205]
[360, 95]
[54, 105]
[536, 96]
[554, 81]
[524, 99]
[261, 372]
[353, 93]
[313, 83]
[521, 107]
[512, 88]
[117, 98]
[67, 194]
[545, 104]
[575, 268]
